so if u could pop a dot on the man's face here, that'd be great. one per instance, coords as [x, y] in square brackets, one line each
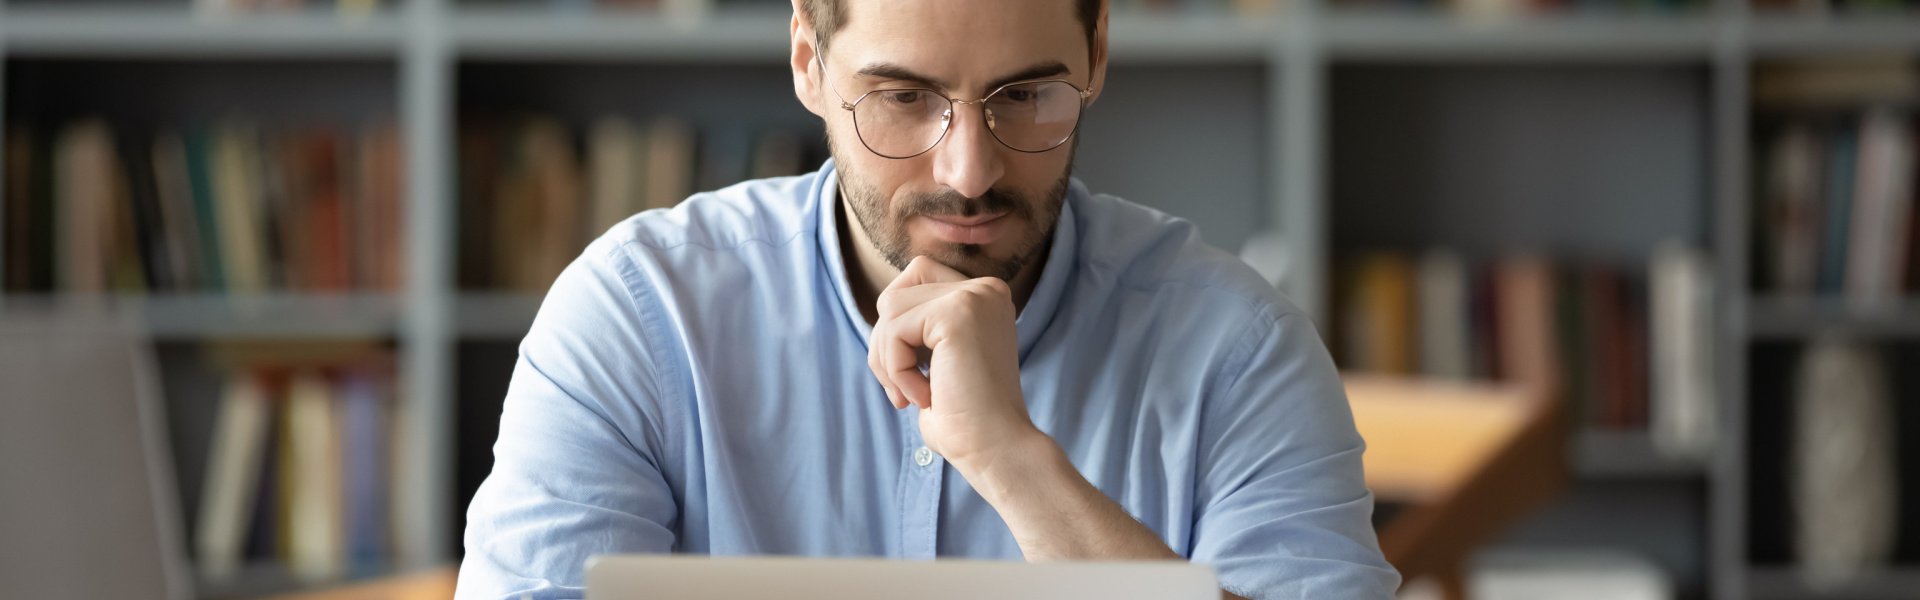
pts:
[971, 202]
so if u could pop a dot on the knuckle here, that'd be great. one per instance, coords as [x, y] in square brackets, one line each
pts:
[996, 285]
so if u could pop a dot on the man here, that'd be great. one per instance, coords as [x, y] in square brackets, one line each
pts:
[937, 345]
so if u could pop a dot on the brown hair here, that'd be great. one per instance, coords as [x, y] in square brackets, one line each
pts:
[827, 16]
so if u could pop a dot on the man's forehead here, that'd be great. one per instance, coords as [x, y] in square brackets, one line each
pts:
[971, 34]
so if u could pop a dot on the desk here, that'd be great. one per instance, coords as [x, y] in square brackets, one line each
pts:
[436, 584]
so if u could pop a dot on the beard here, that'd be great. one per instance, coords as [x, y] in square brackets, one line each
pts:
[886, 223]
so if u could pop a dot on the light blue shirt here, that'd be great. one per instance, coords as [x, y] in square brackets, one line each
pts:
[697, 382]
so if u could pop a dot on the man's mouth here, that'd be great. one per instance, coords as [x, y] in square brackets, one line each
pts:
[977, 229]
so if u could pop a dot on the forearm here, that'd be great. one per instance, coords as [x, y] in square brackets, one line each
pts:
[1055, 513]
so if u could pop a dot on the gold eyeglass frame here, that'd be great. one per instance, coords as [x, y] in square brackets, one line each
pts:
[946, 117]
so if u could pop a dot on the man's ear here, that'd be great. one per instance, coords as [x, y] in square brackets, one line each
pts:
[806, 79]
[1098, 54]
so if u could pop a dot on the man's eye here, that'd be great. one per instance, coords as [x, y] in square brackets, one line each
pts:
[904, 97]
[1019, 95]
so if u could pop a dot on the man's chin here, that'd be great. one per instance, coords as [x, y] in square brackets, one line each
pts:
[973, 260]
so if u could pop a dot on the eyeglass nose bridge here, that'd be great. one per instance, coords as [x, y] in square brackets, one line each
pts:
[946, 118]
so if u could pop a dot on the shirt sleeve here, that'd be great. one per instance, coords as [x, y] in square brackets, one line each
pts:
[575, 469]
[1284, 510]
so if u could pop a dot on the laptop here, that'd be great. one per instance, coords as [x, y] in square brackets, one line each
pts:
[89, 508]
[657, 577]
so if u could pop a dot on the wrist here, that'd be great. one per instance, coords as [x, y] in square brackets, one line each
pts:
[1026, 462]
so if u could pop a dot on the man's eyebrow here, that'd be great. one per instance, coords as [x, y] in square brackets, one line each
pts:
[885, 70]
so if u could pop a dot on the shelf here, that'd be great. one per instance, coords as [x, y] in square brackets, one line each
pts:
[1616, 455]
[495, 315]
[532, 34]
[761, 36]
[1429, 38]
[755, 36]
[1799, 318]
[1785, 582]
[1778, 34]
[143, 32]
[1175, 38]
[195, 316]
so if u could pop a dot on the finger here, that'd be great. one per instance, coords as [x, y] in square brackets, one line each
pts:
[875, 351]
[903, 371]
[896, 300]
[895, 360]
[923, 270]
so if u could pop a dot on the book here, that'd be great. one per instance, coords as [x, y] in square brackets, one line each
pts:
[313, 483]
[1528, 353]
[1603, 298]
[1883, 199]
[143, 230]
[1837, 221]
[1445, 316]
[174, 191]
[386, 172]
[669, 172]
[200, 183]
[328, 243]
[82, 154]
[1792, 208]
[376, 210]
[1379, 320]
[236, 197]
[537, 219]
[616, 157]
[364, 418]
[1683, 420]
[233, 464]
[533, 191]
[265, 539]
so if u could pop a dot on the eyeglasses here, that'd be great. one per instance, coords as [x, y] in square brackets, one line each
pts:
[1028, 116]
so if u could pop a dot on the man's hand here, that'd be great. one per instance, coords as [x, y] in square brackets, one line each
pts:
[970, 400]
[973, 413]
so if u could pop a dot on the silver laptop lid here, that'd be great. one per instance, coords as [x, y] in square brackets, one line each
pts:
[699, 578]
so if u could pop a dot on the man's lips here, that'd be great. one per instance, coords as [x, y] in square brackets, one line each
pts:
[966, 221]
[978, 229]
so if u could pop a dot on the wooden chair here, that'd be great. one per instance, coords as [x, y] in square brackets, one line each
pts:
[1460, 461]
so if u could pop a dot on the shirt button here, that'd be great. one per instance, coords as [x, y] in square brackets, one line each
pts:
[923, 456]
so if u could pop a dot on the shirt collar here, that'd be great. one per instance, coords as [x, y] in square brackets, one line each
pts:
[1041, 305]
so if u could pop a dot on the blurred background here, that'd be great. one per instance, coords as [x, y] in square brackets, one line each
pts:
[305, 236]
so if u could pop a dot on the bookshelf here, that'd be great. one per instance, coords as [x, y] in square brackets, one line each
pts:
[1669, 158]
[158, 29]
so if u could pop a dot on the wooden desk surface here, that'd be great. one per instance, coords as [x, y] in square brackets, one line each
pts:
[436, 584]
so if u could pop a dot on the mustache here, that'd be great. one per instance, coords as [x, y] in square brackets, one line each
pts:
[950, 203]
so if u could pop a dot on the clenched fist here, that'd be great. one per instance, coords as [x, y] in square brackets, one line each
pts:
[969, 396]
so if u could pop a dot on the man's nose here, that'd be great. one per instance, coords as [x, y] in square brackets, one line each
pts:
[968, 161]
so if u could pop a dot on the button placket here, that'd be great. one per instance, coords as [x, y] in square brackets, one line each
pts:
[921, 480]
